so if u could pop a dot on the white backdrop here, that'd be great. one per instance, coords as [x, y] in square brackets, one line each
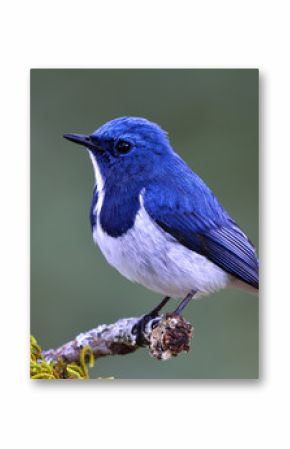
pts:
[201, 414]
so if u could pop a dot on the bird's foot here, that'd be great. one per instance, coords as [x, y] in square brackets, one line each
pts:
[166, 335]
[144, 327]
[148, 322]
[151, 320]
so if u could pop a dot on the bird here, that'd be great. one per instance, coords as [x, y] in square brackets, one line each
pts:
[157, 222]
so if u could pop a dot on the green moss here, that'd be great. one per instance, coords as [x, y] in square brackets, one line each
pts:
[40, 369]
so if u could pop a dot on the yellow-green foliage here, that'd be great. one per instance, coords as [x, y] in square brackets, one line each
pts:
[40, 369]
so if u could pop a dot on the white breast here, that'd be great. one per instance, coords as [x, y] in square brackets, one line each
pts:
[151, 257]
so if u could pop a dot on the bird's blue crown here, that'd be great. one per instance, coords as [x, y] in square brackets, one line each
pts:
[129, 146]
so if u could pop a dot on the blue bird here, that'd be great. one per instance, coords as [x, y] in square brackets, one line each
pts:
[156, 221]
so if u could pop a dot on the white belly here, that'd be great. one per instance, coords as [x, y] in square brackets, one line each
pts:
[151, 257]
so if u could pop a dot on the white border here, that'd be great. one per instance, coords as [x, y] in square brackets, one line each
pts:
[201, 414]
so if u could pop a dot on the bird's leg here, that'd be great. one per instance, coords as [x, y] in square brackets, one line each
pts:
[160, 306]
[140, 327]
[184, 302]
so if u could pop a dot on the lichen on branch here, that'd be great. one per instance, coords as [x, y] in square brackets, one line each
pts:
[166, 336]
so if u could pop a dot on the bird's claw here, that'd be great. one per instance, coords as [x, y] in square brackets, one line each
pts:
[143, 328]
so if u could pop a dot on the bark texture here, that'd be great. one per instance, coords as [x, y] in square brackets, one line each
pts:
[165, 335]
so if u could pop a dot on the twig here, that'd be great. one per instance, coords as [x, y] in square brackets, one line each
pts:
[166, 336]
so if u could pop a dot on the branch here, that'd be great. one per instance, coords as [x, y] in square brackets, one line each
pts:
[166, 336]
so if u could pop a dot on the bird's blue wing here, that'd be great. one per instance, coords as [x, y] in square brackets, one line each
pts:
[229, 248]
[188, 211]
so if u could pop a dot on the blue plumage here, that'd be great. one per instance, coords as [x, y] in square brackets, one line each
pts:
[142, 183]
[185, 207]
[119, 209]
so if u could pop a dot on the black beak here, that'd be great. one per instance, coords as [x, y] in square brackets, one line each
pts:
[81, 139]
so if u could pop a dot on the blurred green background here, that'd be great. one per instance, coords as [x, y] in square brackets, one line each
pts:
[212, 120]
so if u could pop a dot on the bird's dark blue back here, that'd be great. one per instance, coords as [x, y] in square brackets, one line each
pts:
[182, 205]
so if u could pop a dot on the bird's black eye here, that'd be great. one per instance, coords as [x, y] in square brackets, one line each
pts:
[123, 147]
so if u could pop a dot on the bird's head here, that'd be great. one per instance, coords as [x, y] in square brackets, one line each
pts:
[125, 147]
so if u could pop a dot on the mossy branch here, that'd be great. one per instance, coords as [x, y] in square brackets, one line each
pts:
[165, 335]
[41, 369]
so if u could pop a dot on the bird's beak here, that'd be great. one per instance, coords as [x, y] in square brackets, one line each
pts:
[83, 140]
